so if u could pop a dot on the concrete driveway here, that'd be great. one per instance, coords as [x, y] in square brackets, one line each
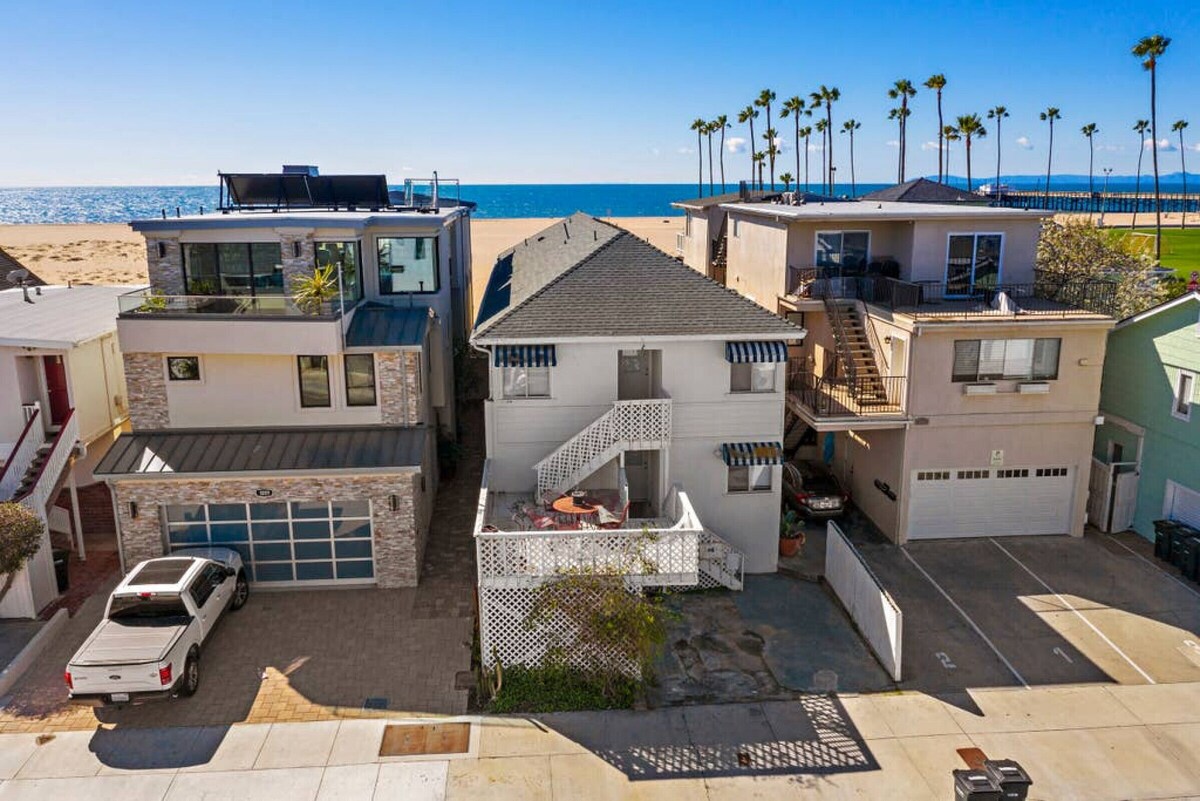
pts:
[1034, 611]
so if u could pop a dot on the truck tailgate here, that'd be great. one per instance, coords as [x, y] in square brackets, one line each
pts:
[123, 658]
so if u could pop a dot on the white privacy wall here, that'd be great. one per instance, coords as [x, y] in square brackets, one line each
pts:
[869, 604]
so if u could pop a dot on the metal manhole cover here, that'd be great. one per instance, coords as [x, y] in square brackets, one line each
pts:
[419, 739]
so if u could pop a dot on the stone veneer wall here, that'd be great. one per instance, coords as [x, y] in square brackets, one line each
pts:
[398, 383]
[294, 265]
[166, 272]
[399, 535]
[147, 387]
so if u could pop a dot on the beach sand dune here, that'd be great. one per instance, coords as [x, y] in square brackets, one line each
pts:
[111, 253]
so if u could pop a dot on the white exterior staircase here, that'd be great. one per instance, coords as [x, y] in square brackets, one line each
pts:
[630, 425]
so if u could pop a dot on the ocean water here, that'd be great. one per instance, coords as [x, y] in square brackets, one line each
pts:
[109, 204]
[115, 204]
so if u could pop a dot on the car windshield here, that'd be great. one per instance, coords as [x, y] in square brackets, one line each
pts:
[821, 484]
[136, 610]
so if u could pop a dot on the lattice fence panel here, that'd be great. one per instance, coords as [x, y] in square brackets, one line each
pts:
[505, 634]
[662, 558]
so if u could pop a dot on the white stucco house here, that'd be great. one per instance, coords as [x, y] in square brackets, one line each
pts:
[62, 400]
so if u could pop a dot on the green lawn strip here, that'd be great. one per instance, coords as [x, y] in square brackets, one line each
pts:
[1180, 248]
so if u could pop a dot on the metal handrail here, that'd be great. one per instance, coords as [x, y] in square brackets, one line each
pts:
[840, 396]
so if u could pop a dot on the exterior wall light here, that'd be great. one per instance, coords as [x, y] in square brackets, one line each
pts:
[394, 503]
[133, 510]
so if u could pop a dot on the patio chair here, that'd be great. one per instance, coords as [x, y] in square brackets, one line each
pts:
[611, 520]
[528, 516]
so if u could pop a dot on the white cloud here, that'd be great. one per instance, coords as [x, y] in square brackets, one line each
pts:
[1164, 145]
[893, 143]
[406, 169]
[1024, 143]
[735, 144]
[781, 145]
[1110, 148]
[1192, 147]
[815, 148]
[683, 151]
[929, 145]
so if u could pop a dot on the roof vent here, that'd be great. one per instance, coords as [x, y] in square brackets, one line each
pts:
[301, 169]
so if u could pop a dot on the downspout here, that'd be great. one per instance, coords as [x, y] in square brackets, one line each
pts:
[112, 494]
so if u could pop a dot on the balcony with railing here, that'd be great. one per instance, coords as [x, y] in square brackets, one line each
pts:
[151, 303]
[1048, 295]
[823, 398]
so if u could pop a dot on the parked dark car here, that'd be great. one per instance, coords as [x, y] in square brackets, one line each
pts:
[812, 491]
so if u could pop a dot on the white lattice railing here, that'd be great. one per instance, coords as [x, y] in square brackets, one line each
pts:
[38, 495]
[22, 456]
[628, 425]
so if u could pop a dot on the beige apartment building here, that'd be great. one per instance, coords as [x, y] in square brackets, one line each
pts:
[953, 390]
[300, 430]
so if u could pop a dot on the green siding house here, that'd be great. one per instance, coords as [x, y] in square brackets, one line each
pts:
[1150, 401]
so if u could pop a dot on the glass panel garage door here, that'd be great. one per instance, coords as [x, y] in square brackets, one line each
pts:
[284, 541]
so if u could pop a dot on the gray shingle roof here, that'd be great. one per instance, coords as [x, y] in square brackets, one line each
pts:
[7, 265]
[185, 452]
[377, 325]
[625, 287]
[922, 190]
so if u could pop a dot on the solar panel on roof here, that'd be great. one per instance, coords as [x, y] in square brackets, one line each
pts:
[303, 191]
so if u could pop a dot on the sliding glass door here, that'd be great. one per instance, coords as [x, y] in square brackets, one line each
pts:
[972, 263]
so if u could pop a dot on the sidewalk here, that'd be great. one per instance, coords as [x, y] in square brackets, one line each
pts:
[1091, 742]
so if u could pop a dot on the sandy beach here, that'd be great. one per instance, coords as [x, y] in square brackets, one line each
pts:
[111, 253]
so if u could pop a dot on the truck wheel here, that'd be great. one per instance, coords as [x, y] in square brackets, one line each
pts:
[191, 676]
[241, 592]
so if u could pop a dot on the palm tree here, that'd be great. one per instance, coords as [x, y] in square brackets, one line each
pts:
[1141, 126]
[760, 158]
[937, 82]
[699, 126]
[827, 96]
[710, 128]
[1150, 49]
[822, 127]
[902, 90]
[1089, 131]
[850, 126]
[787, 181]
[806, 132]
[1049, 115]
[794, 107]
[1179, 126]
[949, 134]
[722, 122]
[998, 113]
[747, 115]
[772, 150]
[764, 101]
[970, 127]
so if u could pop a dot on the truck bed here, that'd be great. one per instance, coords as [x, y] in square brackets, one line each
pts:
[114, 643]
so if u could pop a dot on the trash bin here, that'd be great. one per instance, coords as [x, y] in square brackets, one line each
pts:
[60, 556]
[1191, 558]
[975, 785]
[1179, 536]
[1010, 777]
[1162, 538]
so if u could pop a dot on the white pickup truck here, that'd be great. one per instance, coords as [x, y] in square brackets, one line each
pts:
[157, 619]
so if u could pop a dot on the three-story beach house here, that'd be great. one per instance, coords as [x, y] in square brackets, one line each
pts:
[290, 369]
[952, 388]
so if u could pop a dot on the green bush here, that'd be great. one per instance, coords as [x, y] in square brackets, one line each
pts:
[559, 688]
[20, 538]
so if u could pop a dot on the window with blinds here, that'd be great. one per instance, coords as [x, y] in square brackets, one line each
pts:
[1015, 359]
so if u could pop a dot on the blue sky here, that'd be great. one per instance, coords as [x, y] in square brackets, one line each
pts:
[146, 93]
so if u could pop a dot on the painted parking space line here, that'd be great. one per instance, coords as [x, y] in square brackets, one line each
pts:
[1155, 567]
[963, 613]
[1078, 614]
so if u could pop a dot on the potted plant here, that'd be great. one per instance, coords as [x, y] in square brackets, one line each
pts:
[312, 292]
[791, 533]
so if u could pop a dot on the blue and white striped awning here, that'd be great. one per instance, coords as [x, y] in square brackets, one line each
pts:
[745, 454]
[524, 356]
[742, 352]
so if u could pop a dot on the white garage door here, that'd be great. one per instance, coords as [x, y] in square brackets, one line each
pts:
[995, 502]
[299, 543]
[1182, 504]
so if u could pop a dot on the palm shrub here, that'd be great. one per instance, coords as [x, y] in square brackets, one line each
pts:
[312, 292]
[20, 537]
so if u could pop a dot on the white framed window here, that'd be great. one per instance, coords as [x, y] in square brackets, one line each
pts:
[1185, 391]
[973, 262]
[526, 382]
[754, 478]
[847, 249]
[687, 224]
[752, 377]
[1018, 359]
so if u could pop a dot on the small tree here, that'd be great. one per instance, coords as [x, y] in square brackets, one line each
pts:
[312, 292]
[1080, 251]
[20, 538]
